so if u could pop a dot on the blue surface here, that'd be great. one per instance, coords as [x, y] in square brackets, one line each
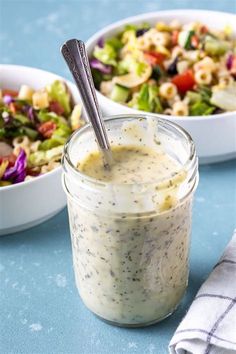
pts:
[41, 312]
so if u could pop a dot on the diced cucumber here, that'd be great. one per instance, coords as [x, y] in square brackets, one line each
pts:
[215, 46]
[119, 93]
[194, 96]
[188, 40]
[184, 39]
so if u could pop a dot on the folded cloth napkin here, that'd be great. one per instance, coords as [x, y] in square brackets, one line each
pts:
[209, 326]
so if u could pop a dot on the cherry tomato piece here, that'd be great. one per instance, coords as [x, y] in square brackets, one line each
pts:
[184, 82]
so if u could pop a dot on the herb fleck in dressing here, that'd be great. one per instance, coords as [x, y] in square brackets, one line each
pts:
[131, 251]
[133, 164]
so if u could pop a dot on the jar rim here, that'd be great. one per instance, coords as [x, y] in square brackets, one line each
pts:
[191, 160]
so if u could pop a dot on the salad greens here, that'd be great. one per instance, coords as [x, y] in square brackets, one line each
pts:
[147, 99]
[58, 92]
[107, 54]
[34, 126]
[198, 64]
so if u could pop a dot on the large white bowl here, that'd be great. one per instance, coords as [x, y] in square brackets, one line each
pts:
[215, 135]
[29, 203]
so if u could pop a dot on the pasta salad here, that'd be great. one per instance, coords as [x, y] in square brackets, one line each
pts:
[34, 126]
[169, 68]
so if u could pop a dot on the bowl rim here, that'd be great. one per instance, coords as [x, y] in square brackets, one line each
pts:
[142, 17]
[55, 170]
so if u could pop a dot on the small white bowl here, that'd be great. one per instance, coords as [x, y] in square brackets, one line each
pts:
[214, 135]
[31, 202]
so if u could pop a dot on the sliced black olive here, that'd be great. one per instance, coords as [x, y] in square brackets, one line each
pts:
[172, 69]
[141, 31]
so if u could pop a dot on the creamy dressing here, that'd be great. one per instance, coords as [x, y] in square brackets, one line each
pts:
[131, 267]
[132, 164]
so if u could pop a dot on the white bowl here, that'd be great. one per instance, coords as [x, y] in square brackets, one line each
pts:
[31, 202]
[214, 135]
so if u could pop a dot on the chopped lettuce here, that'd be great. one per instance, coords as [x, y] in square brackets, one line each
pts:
[63, 131]
[37, 158]
[143, 25]
[115, 43]
[203, 93]
[22, 119]
[18, 131]
[147, 99]
[59, 137]
[201, 108]
[199, 101]
[131, 64]
[31, 133]
[140, 68]
[45, 116]
[107, 54]
[57, 91]
[121, 68]
[215, 46]
[51, 143]
[40, 158]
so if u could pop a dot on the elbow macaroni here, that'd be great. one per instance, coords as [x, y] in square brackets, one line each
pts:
[206, 63]
[203, 77]
[21, 142]
[168, 90]
[50, 166]
[180, 109]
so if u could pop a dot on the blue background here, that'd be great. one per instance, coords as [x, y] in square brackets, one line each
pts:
[40, 309]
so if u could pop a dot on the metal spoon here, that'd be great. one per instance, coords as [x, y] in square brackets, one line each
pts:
[75, 55]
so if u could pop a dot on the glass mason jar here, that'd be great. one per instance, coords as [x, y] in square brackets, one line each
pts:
[131, 259]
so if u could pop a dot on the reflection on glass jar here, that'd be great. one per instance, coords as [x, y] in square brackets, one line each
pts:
[130, 232]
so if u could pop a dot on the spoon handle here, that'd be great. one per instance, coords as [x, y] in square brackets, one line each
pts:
[75, 55]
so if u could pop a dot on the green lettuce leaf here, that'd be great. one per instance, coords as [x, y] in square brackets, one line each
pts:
[201, 108]
[40, 158]
[147, 99]
[115, 43]
[45, 116]
[51, 143]
[59, 137]
[57, 91]
[107, 54]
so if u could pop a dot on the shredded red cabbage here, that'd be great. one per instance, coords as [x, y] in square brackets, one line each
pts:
[96, 64]
[30, 112]
[17, 173]
[8, 99]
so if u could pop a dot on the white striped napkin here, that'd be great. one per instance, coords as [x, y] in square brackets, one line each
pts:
[209, 326]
